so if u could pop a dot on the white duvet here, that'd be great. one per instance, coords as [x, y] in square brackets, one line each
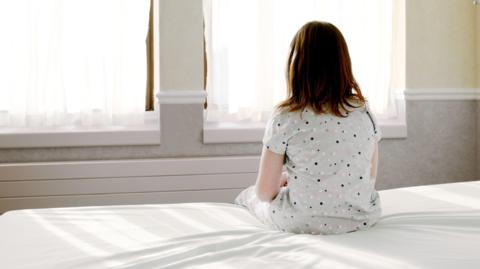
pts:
[434, 226]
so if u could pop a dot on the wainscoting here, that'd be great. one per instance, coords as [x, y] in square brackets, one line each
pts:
[442, 145]
[85, 183]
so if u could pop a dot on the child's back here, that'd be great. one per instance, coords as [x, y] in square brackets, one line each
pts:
[328, 160]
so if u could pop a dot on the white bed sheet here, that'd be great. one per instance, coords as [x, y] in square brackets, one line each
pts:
[435, 226]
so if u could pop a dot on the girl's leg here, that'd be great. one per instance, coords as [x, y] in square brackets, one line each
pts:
[248, 199]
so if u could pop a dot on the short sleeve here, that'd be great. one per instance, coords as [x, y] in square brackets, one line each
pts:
[276, 133]
[377, 133]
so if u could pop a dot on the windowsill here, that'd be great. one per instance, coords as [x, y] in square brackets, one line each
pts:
[80, 137]
[244, 132]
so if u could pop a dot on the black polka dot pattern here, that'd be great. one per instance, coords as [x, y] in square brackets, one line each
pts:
[327, 162]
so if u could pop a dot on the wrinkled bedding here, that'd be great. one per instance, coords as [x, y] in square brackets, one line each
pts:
[436, 226]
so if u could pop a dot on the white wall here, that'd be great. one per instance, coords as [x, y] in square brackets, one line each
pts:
[440, 44]
[181, 44]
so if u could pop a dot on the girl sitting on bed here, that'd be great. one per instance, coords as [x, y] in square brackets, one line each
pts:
[325, 138]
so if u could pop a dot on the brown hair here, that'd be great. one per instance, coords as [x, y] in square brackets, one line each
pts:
[319, 72]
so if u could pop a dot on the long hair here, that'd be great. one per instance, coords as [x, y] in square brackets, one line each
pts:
[319, 72]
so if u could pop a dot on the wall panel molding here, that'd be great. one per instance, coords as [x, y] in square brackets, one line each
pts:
[182, 96]
[82, 183]
[445, 94]
[128, 168]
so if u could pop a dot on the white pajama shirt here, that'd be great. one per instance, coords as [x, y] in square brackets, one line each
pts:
[328, 160]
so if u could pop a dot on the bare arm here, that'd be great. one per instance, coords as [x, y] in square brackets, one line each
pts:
[373, 171]
[269, 179]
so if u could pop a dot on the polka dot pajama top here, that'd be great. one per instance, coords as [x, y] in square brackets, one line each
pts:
[328, 160]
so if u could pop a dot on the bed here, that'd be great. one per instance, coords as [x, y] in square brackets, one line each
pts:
[436, 226]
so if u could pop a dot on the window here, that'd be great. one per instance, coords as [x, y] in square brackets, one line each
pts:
[247, 44]
[79, 63]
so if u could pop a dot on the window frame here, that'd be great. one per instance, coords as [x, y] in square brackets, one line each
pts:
[228, 132]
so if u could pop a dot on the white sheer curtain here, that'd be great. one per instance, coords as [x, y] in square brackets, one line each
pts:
[247, 43]
[72, 63]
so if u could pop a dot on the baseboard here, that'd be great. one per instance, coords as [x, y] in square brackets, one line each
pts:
[58, 184]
